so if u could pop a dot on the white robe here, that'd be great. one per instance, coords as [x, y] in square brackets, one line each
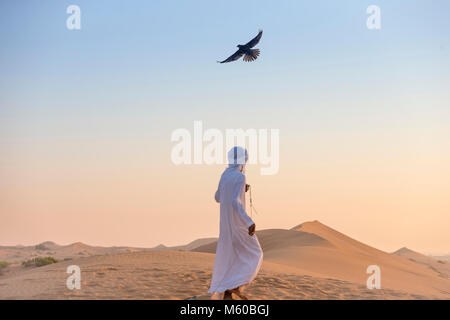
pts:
[238, 255]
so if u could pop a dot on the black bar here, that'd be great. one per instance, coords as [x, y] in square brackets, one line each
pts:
[258, 309]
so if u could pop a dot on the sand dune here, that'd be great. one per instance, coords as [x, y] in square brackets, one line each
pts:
[309, 261]
[349, 258]
[324, 252]
[277, 239]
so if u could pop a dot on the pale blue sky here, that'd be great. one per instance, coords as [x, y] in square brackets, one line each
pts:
[155, 52]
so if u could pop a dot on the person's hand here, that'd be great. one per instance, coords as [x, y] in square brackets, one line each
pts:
[251, 229]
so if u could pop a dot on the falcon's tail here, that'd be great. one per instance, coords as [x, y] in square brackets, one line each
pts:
[253, 56]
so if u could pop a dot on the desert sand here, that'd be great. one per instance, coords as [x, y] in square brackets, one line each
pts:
[309, 261]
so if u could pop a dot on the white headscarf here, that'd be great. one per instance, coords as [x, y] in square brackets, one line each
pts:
[237, 157]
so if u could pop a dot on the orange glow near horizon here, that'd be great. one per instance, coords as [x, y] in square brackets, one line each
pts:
[383, 195]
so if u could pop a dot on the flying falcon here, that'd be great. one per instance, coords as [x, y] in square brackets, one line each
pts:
[246, 51]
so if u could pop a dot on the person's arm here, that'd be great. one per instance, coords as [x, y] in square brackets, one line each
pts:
[237, 205]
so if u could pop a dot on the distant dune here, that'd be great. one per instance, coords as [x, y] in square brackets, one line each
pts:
[17, 254]
[442, 258]
[442, 267]
[190, 246]
[309, 261]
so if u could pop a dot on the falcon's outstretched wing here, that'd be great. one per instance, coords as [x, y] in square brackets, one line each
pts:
[233, 57]
[255, 40]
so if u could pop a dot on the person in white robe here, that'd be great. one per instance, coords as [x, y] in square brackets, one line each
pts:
[238, 254]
